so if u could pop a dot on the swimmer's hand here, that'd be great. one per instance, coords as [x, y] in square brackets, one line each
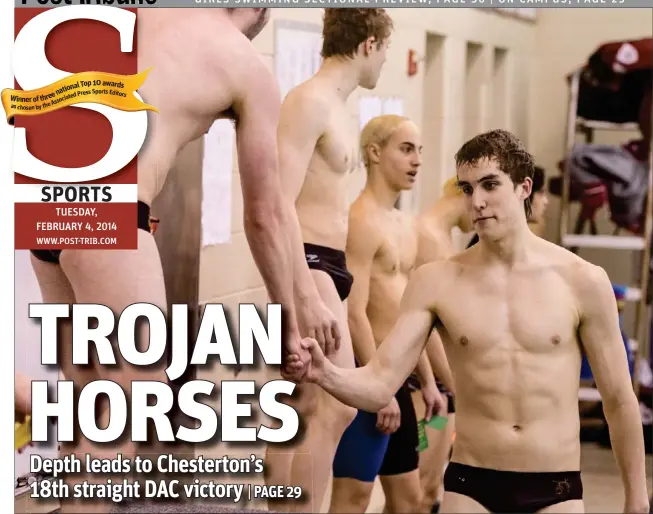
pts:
[319, 323]
[297, 361]
[388, 418]
[317, 361]
[434, 402]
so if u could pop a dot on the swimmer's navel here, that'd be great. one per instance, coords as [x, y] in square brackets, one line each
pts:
[516, 428]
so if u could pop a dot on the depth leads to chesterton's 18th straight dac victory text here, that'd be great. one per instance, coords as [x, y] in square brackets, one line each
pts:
[119, 490]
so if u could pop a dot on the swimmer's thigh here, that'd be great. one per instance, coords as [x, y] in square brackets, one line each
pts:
[117, 279]
[310, 398]
[453, 503]
[356, 464]
[568, 507]
[55, 288]
[344, 357]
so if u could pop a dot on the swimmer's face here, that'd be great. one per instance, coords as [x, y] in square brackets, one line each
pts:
[401, 156]
[494, 204]
[260, 18]
[539, 203]
[373, 58]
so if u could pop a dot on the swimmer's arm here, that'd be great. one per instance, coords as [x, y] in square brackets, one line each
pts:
[257, 115]
[425, 371]
[601, 338]
[438, 360]
[300, 128]
[362, 246]
[371, 387]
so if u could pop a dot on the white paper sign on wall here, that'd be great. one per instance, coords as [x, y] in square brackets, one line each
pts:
[217, 171]
[297, 49]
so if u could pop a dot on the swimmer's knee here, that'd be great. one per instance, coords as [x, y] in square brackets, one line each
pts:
[403, 502]
[403, 493]
[350, 495]
[430, 490]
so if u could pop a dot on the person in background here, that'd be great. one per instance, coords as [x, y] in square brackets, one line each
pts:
[436, 242]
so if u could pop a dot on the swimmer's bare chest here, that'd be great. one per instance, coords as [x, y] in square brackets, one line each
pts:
[393, 263]
[511, 340]
[323, 202]
[515, 359]
[398, 251]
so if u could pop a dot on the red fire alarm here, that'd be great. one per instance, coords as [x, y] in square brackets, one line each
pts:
[412, 63]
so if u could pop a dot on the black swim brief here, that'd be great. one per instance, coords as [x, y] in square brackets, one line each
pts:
[415, 385]
[402, 455]
[333, 263]
[145, 222]
[512, 491]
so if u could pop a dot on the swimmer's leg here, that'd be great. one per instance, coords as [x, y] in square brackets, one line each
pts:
[433, 459]
[324, 418]
[454, 503]
[403, 492]
[349, 495]
[55, 288]
[357, 463]
[400, 470]
[117, 279]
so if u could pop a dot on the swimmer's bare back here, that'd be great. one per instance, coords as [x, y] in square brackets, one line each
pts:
[215, 73]
[318, 121]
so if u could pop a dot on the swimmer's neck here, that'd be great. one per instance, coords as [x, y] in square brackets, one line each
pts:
[443, 216]
[342, 73]
[379, 189]
[510, 249]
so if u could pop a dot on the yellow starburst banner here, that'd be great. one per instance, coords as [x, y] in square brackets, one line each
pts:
[96, 87]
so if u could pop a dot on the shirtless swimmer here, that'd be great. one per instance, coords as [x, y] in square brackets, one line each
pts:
[218, 53]
[381, 252]
[316, 157]
[514, 312]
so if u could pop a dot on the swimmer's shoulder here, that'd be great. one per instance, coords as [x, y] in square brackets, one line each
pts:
[437, 274]
[306, 101]
[364, 223]
[582, 276]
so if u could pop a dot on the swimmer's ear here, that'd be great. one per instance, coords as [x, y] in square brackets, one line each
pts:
[368, 45]
[374, 153]
[525, 188]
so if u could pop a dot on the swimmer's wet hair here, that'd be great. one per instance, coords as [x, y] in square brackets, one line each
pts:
[508, 152]
[345, 29]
